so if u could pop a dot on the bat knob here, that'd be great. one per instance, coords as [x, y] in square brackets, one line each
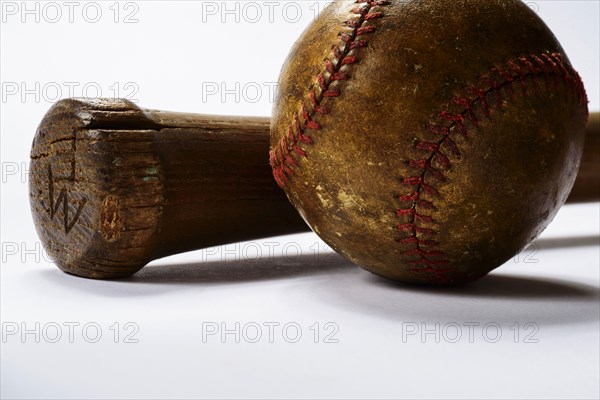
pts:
[76, 186]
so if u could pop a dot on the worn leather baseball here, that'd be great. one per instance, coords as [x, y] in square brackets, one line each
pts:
[428, 141]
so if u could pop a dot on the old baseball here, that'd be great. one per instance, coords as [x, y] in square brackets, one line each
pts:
[428, 141]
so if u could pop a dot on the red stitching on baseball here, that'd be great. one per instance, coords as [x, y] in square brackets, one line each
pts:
[412, 219]
[517, 70]
[281, 156]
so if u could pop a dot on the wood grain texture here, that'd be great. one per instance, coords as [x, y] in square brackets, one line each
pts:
[113, 187]
[587, 184]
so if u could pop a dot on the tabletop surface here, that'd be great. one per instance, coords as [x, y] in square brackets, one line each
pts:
[279, 317]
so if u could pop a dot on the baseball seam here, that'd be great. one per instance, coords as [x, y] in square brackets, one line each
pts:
[415, 221]
[282, 156]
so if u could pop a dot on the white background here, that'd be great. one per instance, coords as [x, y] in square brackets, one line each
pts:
[385, 340]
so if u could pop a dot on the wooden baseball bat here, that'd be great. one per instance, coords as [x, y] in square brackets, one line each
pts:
[113, 186]
[587, 184]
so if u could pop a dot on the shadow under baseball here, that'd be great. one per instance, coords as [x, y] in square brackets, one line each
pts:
[502, 286]
[498, 297]
[566, 242]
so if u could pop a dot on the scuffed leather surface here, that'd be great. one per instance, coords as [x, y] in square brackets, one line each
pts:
[515, 168]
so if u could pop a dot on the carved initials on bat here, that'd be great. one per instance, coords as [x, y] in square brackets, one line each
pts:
[63, 196]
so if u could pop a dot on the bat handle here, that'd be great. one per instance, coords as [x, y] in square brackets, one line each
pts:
[113, 186]
[587, 184]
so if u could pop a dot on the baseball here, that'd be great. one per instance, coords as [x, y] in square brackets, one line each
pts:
[428, 141]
